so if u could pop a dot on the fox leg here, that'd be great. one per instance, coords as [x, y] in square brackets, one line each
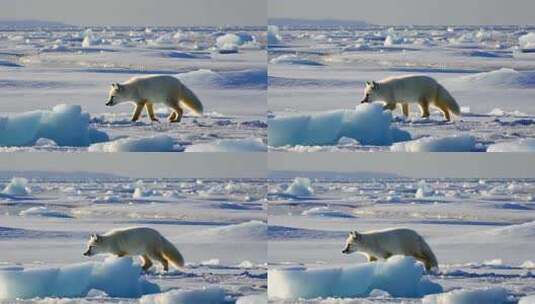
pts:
[147, 263]
[150, 111]
[178, 116]
[371, 258]
[405, 108]
[137, 111]
[428, 265]
[160, 258]
[445, 111]
[424, 108]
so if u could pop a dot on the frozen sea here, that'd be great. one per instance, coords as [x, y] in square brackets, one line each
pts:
[489, 70]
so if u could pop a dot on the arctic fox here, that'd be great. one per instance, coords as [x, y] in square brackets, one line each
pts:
[389, 242]
[145, 242]
[148, 90]
[422, 90]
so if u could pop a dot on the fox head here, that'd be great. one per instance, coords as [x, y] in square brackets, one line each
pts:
[95, 245]
[117, 95]
[352, 242]
[371, 92]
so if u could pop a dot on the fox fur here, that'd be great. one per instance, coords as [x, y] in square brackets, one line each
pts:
[147, 90]
[137, 241]
[386, 243]
[422, 90]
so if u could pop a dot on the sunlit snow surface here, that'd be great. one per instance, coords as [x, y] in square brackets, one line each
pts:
[482, 232]
[41, 68]
[489, 70]
[219, 225]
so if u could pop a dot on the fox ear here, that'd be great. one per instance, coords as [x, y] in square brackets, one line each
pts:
[368, 83]
[93, 236]
[374, 84]
[355, 234]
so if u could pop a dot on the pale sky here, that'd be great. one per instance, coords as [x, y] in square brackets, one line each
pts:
[143, 165]
[138, 12]
[402, 12]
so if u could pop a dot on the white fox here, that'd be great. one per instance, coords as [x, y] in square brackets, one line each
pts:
[386, 243]
[145, 242]
[148, 90]
[421, 90]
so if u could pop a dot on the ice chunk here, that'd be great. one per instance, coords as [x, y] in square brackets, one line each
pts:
[230, 145]
[424, 190]
[18, 186]
[213, 295]
[44, 211]
[66, 125]
[301, 186]
[494, 295]
[399, 276]
[294, 59]
[232, 41]
[368, 124]
[326, 212]
[158, 143]
[527, 41]
[273, 35]
[521, 145]
[117, 277]
[456, 143]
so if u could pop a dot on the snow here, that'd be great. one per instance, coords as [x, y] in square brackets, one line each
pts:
[326, 212]
[495, 295]
[504, 78]
[247, 231]
[157, 143]
[368, 124]
[65, 124]
[456, 143]
[252, 299]
[45, 212]
[527, 300]
[294, 59]
[521, 145]
[211, 295]
[18, 186]
[399, 276]
[230, 145]
[117, 277]
[233, 41]
[301, 186]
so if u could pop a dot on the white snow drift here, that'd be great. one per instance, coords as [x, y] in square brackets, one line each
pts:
[399, 276]
[368, 124]
[521, 145]
[117, 277]
[495, 295]
[456, 143]
[212, 295]
[158, 143]
[230, 145]
[66, 125]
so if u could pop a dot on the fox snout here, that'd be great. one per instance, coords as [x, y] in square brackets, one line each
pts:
[345, 251]
[365, 100]
[110, 101]
[87, 253]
